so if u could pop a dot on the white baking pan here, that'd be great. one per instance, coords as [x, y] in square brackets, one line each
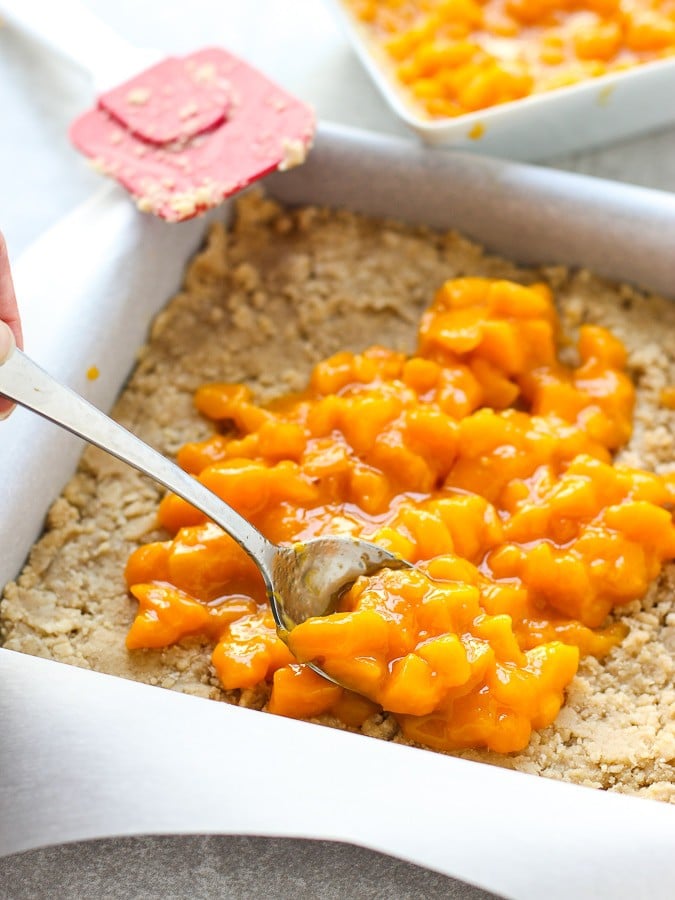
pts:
[578, 117]
[84, 755]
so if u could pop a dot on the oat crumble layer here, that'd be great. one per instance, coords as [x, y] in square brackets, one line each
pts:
[261, 304]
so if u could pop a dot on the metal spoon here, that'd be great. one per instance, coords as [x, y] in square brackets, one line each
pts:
[301, 581]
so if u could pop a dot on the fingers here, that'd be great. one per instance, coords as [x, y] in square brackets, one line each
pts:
[7, 341]
[6, 408]
[6, 347]
[9, 312]
[10, 326]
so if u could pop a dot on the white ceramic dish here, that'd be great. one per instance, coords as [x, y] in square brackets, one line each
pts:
[585, 115]
[84, 755]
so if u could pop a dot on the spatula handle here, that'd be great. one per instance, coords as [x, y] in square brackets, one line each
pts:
[69, 29]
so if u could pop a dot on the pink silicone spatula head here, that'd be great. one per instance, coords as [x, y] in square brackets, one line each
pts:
[189, 132]
[180, 134]
[171, 101]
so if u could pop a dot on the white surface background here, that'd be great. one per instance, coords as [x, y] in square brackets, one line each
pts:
[41, 178]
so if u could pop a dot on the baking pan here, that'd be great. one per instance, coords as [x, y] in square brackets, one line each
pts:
[85, 755]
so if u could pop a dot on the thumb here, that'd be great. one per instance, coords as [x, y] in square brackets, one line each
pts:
[6, 347]
[7, 342]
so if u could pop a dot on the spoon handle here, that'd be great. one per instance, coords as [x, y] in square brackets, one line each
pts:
[26, 383]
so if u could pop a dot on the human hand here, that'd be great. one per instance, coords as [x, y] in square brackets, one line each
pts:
[10, 323]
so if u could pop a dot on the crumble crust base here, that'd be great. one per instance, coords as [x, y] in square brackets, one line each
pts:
[261, 304]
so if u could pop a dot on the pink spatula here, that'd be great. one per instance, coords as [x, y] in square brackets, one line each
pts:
[180, 134]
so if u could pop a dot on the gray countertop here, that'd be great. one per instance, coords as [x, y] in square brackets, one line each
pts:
[231, 868]
[41, 179]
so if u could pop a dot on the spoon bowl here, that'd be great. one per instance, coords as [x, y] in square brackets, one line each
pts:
[314, 574]
[302, 581]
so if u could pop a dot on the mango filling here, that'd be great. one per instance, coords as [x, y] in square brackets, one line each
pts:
[453, 57]
[483, 459]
